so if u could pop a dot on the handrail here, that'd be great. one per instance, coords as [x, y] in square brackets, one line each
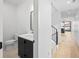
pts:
[55, 33]
[54, 27]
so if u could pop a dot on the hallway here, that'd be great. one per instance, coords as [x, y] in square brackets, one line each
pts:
[67, 47]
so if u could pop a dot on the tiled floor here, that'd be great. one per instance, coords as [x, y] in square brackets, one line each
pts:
[67, 47]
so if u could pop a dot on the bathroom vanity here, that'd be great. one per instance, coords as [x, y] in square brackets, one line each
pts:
[25, 46]
[0, 45]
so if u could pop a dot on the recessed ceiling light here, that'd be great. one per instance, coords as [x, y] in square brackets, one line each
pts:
[68, 2]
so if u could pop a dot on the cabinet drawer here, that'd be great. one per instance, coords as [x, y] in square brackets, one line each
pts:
[27, 42]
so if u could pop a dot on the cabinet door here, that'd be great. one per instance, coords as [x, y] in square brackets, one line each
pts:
[20, 46]
[28, 49]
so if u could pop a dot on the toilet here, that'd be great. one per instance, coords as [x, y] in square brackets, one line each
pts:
[11, 42]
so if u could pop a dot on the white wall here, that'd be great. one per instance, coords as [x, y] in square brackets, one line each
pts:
[23, 16]
[56, 18]
[1, 26]
[44, 28]
[9, 21]
[75, 28]
[35, 28]
[1, 22]
[16, 19]
[56, 21]
[1, 18]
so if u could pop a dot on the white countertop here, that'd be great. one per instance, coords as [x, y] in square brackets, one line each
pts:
[27, 36]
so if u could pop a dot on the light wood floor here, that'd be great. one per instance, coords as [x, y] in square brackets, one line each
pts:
[67, 47]
[11, 53]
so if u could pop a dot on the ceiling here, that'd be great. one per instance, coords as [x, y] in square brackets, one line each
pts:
[70, 13]
[64, 5]
[15, 2]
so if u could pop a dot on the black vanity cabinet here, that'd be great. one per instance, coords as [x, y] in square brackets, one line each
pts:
[0, 45]
[25, 48]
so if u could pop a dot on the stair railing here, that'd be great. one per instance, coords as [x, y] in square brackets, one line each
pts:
[55, 35]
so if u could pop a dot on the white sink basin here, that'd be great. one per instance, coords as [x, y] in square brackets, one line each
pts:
[27, 36]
